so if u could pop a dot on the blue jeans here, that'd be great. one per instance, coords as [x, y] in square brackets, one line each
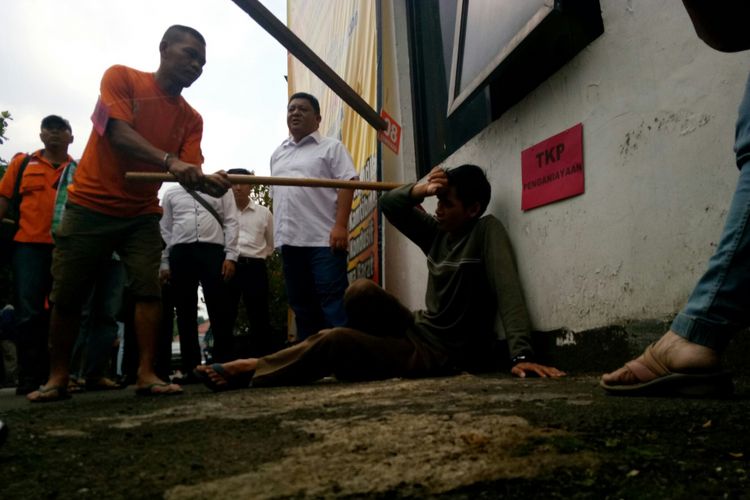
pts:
[720, 303]
[33, 282]
[315, 279]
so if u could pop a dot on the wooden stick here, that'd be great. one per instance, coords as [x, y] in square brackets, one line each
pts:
[274, 181]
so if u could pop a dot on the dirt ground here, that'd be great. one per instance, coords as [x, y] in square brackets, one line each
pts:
[459, 437]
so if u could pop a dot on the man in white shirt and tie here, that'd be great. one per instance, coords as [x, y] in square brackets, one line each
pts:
[201, 247]
[250, 281]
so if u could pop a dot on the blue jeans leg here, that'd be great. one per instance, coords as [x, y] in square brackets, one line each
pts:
[315, 280]
[329, 272]
[720, 303]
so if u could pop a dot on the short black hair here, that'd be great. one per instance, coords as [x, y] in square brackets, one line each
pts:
[309, 97]
[55, 122]
[176, 31]
[471, 185]
[242, 171]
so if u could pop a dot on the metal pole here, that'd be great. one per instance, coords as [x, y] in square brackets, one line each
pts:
[306, 56]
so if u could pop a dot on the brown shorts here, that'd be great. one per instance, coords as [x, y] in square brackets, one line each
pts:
[85, 241]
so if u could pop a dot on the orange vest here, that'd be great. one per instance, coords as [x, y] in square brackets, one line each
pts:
[37, 191]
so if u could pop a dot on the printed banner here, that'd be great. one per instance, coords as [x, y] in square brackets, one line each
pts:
[344, 36]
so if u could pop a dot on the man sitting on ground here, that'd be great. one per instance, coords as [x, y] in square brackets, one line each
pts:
[473, 296]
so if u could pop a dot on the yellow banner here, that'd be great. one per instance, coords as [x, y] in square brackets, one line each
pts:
[344, 35]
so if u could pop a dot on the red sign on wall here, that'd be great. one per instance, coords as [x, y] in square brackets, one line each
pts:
[391, 136]
[553, 169]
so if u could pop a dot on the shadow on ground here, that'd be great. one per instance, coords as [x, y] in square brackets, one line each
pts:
[460, 437]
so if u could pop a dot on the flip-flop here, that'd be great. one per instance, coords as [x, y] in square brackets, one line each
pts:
[233, 382]
[48, 394]
[75, 387]
[149, 390]
[654, 379]
[103, 384]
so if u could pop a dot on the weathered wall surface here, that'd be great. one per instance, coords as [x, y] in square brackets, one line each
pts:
[658, 110]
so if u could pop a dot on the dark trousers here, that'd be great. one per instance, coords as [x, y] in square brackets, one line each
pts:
[250, 283]
[377, 346]
[163, 357]
[189, 265]
[33, 282]
[92, 351]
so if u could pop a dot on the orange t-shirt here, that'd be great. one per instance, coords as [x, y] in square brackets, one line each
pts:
[165, 121]
[37, 191]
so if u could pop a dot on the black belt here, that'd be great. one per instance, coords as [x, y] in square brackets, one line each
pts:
[249, 260]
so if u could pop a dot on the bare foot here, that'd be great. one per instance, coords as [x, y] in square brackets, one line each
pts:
[675, 354]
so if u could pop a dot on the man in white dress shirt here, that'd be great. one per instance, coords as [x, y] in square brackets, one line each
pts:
[201, 247]
[250, 281]
[311, 224]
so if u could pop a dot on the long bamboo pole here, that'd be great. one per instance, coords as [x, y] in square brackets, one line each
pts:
[274, 181]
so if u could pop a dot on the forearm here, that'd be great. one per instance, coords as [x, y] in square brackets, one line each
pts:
[402, 210]
[344, 207]
[126, 140]
[399, 200]
[511, 304]
[722, 25]
[512, 316]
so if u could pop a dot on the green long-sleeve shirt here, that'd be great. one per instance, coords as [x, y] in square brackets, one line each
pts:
[473, 294]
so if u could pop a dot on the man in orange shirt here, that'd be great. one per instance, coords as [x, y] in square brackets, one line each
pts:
[141, 123]
[32, 255]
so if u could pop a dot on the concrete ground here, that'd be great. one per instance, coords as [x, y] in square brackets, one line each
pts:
[467, 436]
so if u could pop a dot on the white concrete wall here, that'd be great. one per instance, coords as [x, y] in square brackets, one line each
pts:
[405, 268]
[658, 109]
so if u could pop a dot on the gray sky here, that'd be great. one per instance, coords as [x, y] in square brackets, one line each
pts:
[54, 52]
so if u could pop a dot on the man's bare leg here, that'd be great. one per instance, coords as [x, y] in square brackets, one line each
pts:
[676, 354]
[147, 317]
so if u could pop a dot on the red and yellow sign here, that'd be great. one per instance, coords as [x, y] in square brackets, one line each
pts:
[344, 36]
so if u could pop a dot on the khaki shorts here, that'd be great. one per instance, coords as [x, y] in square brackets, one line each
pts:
[85, 241]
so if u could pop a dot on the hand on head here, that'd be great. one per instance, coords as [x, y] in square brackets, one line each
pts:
[435, 182]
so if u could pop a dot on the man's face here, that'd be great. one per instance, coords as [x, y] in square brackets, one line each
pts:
[301, 118]
[451, 214]
[241, 192]
[183, 59]
[56, 136]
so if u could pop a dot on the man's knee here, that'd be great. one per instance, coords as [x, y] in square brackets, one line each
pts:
[361, 289]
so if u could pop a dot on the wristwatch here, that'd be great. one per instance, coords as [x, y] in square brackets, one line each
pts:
[520, 359]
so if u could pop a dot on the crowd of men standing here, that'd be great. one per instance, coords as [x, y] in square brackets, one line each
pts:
[86, 234]
[202, 234]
